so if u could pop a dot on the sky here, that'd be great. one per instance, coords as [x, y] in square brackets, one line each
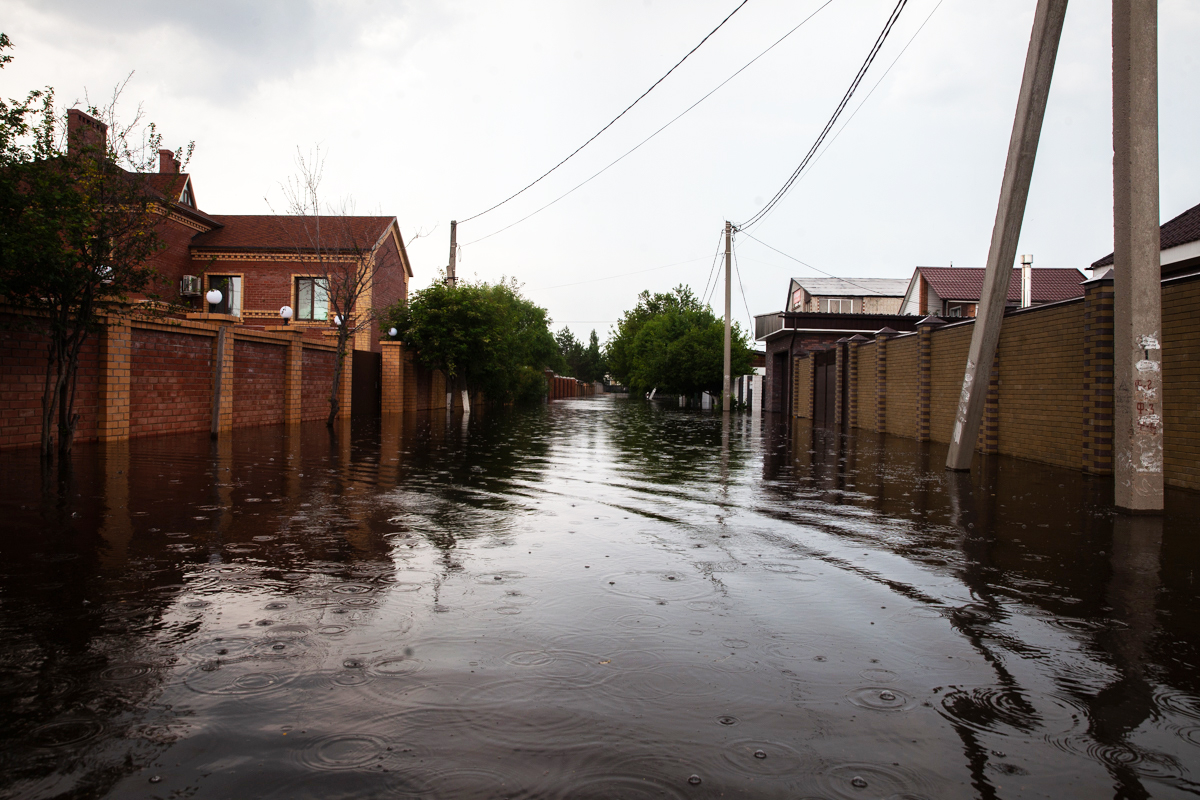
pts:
[433, 111]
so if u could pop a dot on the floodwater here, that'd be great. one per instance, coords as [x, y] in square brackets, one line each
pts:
[591, 599]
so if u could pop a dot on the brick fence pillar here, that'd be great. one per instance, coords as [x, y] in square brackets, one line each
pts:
[116, 353]
[925, 329]
[222, 383]
[1098, 375]
[393, 378]
[852, 383]
[346, 387]
[988, 442]
[881, 340]
[293, 403]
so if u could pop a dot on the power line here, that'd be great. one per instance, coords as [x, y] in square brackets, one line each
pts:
[805, 263]
[614, 119]
[713, 268]
[657, 132]
[868, 97]
[862, 71]
[745, 302]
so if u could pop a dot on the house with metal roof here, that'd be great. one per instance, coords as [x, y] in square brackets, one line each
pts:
[955, 291]
[846, 295]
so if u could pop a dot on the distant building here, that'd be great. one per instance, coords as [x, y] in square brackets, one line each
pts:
[846, 295]
[955, 291]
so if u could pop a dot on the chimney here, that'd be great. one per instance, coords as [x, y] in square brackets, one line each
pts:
[167, 163]
[85, 134]
[1026, 281]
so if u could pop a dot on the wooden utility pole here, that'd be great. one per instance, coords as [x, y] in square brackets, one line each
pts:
[451, 279]
[726, 387]
[1014, 191]
[1137, 275]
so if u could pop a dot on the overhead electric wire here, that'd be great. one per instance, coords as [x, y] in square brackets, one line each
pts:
[621, 275]
[673, 120]
[862, 71]
[859, 107]
[713, 268]
[805, 263]
[614, 119]
[745, 302]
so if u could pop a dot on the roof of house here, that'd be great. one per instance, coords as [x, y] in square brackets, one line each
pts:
[267, 232]
[855, 287]
[1182, 229]
[1050, 284]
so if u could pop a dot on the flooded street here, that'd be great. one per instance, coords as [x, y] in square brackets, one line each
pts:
[590, 599]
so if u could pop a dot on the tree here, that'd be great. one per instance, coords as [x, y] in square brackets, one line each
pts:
[672, 342]
[584, 363]
[78, 221]
[484, 337]
[344, 256]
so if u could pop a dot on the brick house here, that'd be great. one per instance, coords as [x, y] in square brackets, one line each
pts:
[846, 295]
[263, 262]
[955, 291]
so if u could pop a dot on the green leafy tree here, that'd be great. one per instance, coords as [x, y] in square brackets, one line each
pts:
[78, 222]
[672, 342]
[594, 367]
[485, 337]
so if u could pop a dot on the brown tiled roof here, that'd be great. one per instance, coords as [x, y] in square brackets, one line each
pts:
[266, 232]
[966, 283]
[1174, 232]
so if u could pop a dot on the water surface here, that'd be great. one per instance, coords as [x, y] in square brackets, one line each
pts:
[591, 599]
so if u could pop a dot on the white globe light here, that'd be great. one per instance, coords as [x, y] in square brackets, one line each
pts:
[337, 320]
[392, 332]
[214, 296]
[286, 312]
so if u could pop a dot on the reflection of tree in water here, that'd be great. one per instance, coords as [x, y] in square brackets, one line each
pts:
[672, 447]
[1015, 534]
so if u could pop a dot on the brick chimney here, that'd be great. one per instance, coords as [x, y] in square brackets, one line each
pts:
[167, 163]
[85, 133]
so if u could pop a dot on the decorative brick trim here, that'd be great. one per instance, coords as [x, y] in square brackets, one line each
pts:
[234, 255]
[1098, 377]
[116, 353]
[852, 385]
[924, 361]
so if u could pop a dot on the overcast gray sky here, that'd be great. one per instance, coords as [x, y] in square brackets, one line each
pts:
[434, 111]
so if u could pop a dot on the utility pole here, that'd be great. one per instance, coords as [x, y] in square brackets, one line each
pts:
[451, 279]
[726, 388]
[1010, 213]
[1137, 276]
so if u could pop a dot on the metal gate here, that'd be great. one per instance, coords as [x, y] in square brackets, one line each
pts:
[825, 392]
[366, 383]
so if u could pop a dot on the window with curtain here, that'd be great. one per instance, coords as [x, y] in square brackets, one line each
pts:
[230, 287]
[312, 299]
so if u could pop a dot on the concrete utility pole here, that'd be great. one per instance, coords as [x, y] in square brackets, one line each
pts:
[726, 388]
[1137, 274]
[1014, 191]
[450, 276]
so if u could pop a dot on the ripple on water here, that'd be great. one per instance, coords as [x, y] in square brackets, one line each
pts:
[629, 777]
[1009, 712]
[353, 588]
[343, 751]
[228, 648]
[762, 757]
[128, 671]
[879, 698]
[242, 678]
[792, 571]
[497, 578]
[857, 780]
[66, 732]
[668, 585]
[1178, 702]
[1120, 755]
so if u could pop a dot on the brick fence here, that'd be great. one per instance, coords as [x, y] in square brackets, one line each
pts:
[1050, 389]
[143, 376]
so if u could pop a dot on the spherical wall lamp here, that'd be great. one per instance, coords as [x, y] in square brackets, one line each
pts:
[337, 320]
[392, 332]
[286, 314]
[213, 297]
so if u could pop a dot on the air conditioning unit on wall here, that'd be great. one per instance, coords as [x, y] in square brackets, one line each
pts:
[189, 286]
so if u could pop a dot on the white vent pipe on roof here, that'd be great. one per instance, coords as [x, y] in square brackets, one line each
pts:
[1026, 281]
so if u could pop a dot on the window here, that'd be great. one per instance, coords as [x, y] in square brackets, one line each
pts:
[230, 287]
[312, 299]
[839, 305]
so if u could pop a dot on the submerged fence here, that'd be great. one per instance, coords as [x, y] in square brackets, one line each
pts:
[1050, 390]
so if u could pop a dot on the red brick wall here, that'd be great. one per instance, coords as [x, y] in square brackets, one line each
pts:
[22, 374]
[173, 262]
[170, 382]
[318, 378]
[258, 375]
[391, 282]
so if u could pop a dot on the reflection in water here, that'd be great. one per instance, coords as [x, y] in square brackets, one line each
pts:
[589, 599]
